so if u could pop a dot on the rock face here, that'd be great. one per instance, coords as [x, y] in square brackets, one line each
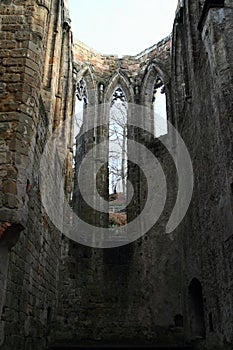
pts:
[165, 289]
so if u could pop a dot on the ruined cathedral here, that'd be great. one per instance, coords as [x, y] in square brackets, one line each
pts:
[90, 261]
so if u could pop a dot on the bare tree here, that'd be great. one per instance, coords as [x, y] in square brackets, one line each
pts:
[118, 143]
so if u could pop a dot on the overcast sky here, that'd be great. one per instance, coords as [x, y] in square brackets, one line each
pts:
[121, 27]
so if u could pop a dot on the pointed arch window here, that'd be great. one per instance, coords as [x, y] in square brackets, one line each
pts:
[81, 91]
[117, 163]
[81, 102]
[159, 107]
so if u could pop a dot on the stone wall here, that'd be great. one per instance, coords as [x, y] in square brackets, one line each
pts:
[35, 71]
[196, 267]
[131, 293]
[202, 102]
[53, 289]
[104, 67]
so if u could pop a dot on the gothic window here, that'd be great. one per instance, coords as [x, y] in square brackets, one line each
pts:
[118, 142]
[81, 91]
[211, 324]
[119, 97]
[117, 164]
[196, 305]
[81, 102]
[159, 107]
[232, 196]
[179, 320]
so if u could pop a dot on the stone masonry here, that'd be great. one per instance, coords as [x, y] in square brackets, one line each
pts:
[163, 289]
[36, 92]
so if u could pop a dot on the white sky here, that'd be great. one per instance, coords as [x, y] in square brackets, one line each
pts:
[123, 27]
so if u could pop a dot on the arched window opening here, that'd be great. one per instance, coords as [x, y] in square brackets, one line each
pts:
[117, 161]
[211, 324]
[179, 321]
[81, 102]
[159, 108]
[232, 196]
[197, 321]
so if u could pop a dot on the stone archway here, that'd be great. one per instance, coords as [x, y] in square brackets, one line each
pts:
[9, 235]
[196, 309]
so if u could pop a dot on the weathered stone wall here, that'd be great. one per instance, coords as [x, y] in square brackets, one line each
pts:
[133, 292]
[53, 289]
[200, 107]
[105, 67]
[35, 71]
[202, 101]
